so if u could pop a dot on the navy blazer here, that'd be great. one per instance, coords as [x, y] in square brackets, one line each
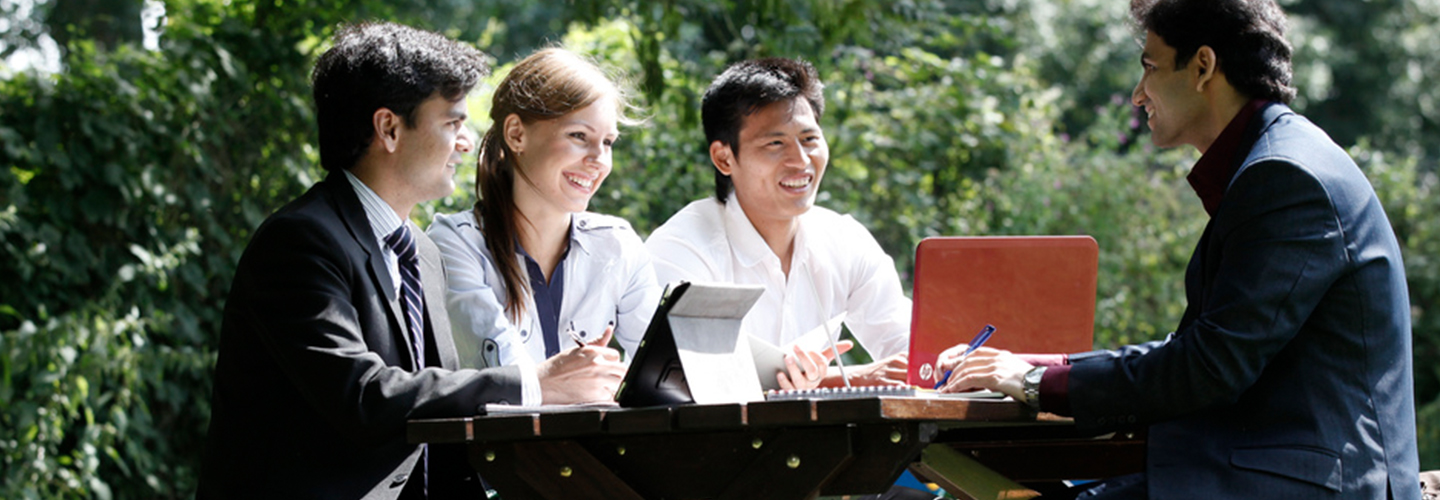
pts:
[315, 379]
[1289, 375]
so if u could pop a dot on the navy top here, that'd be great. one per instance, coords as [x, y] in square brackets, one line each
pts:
[548, 297]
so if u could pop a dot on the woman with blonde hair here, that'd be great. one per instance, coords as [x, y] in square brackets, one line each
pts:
[530, 273]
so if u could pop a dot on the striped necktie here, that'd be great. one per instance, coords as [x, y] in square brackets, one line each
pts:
[404, 246]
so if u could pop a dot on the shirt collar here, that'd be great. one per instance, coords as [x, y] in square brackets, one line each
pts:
[578, 238]
[1211, 175]
[574, 243]
[750, 248]
[383, 219]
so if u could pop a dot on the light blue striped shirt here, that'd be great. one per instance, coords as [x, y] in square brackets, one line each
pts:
[383, 221]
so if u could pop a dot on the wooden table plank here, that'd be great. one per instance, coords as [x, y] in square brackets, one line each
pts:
[502, 427]
[640, 420]
[903, 408]
[788, 412]
[701, 417]
[440, 430]
[568, 424]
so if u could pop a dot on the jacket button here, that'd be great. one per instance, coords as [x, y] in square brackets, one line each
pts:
[584, 223]
[503, 402]
[400, 478]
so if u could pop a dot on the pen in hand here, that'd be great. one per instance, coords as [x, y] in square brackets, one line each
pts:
[974, 344]
[575, 336]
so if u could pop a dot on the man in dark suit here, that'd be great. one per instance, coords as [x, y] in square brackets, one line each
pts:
[1289, 375]
[335, 330]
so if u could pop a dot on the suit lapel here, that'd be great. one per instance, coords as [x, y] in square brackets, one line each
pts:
[437, 319]
[353, 215]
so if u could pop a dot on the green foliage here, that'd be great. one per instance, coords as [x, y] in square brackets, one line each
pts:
[83, 411]
[122, 197]
[1138, 207]
[129, 182]
[1366, 70]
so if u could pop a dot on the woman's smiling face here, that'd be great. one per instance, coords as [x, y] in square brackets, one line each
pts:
[566, 159]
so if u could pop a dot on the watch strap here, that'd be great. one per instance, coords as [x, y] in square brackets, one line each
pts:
[1031, 386]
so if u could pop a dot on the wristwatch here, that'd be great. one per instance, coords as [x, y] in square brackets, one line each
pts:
[1031, 386]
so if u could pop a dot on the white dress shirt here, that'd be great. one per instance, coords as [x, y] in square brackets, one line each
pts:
[713, 241]
[383, 221]
[608, 279]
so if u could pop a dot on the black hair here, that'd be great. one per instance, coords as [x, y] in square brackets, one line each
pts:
[384, 65]
[1248, 37]
[744, 88]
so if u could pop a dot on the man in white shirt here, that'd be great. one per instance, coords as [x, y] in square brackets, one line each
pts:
[761, 118]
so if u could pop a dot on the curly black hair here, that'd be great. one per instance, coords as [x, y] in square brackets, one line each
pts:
[384, 65]
[1248, 37]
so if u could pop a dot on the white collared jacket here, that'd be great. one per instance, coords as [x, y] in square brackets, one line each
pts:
[608, 278]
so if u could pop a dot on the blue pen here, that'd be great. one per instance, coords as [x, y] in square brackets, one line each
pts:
[975, 343]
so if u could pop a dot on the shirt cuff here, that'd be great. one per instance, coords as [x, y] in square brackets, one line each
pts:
[1055, 390]
[1045, 359]
[530, 386]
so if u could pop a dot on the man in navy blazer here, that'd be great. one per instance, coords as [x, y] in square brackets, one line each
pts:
[1289, 375]
[321, 360]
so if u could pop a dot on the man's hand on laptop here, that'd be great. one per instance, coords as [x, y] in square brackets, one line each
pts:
[888, 371]
[805, 369]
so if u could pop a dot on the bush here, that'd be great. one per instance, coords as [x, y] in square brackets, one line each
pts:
[131, 184]
[89, 404]
[132, 180]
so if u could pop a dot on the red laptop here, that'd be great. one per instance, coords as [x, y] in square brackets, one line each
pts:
[1038, 292]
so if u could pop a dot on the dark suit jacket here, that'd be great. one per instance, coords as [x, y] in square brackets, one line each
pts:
[315, 379]
[1289, 375]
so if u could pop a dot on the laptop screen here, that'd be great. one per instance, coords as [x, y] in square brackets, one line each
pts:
[1038, 292]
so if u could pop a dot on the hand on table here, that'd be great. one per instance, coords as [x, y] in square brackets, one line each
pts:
[986, 368]
[582, 374]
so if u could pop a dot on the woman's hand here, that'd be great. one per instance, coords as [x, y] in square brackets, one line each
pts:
[582, 374]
